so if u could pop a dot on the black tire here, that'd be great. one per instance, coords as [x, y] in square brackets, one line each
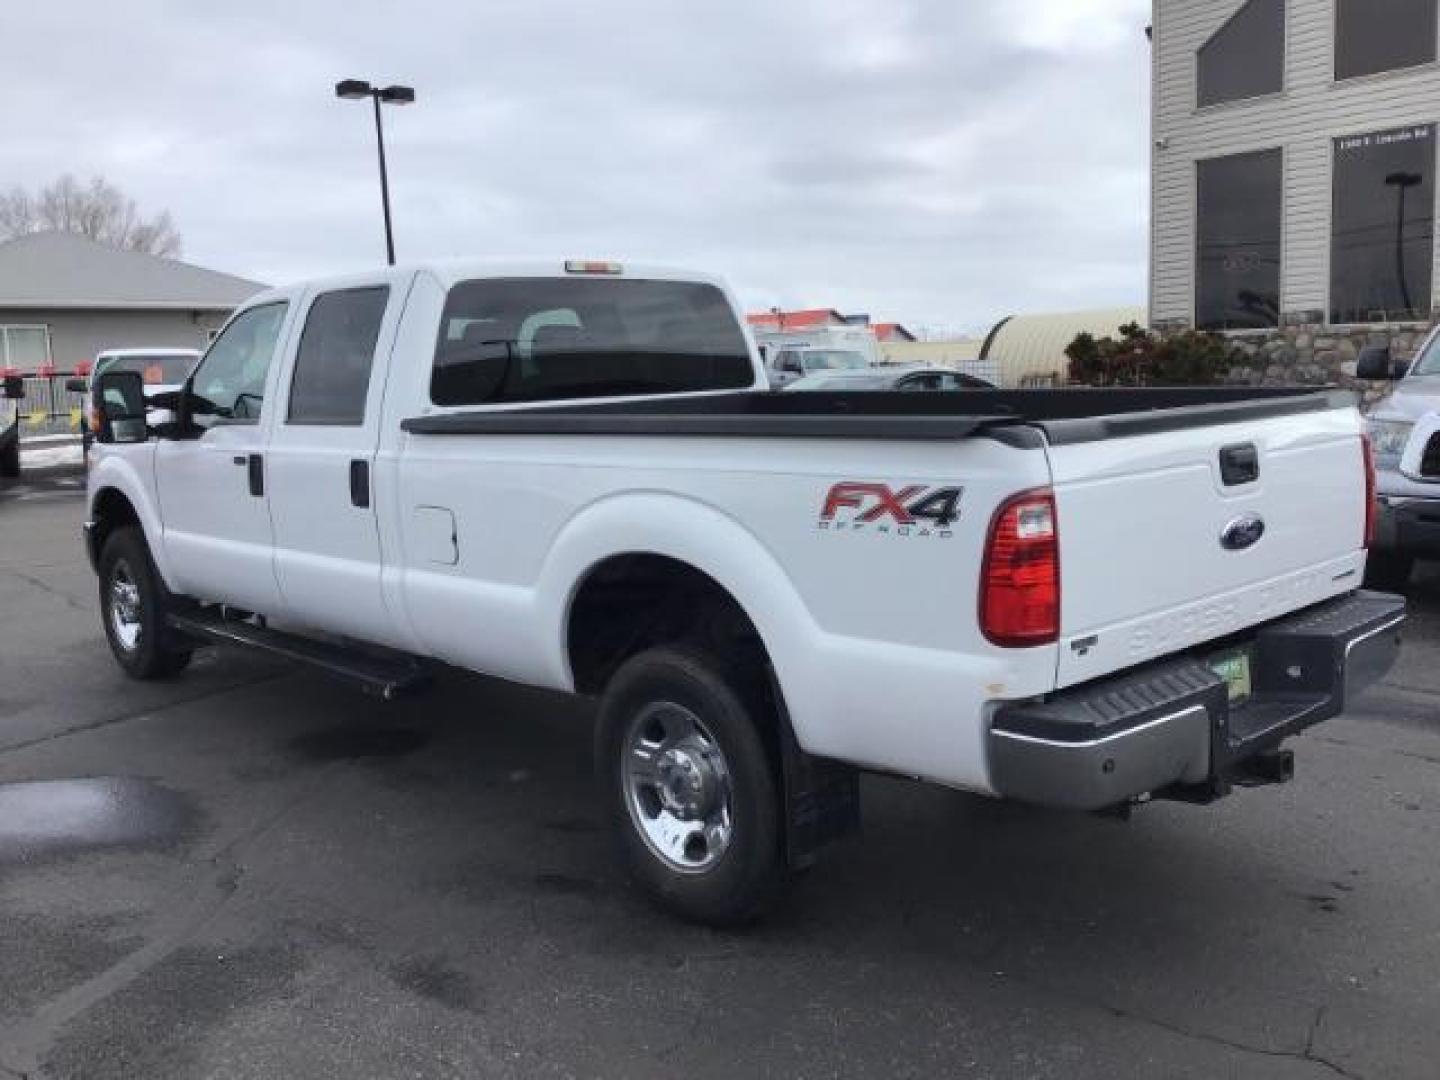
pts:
[9, 458]
[748, 870]
[1389, 571]
[151, 651]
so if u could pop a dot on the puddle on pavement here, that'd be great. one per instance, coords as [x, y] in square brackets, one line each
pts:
[61, 816]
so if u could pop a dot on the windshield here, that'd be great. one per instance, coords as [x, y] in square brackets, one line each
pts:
[1429, 361]
[833, 360]
[154, 370]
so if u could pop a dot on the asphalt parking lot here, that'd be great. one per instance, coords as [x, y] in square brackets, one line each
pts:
[250, 872]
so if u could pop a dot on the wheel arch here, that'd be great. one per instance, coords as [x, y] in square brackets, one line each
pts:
[634, 601]
[651, 538]
[119, 497]
[111, 509]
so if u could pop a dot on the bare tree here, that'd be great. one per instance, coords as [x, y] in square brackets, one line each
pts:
[98, 210]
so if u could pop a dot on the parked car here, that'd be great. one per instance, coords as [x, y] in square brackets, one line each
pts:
[793, 354]
[896, 378]
[12, 388]
[789, 365]
[572, 476]
[1403, 427]
[162, 371]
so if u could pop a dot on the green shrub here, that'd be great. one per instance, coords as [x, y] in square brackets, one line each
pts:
[1141, 358]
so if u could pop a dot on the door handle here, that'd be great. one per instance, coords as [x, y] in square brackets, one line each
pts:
[360, 483]
[1239, 464]
[256, 466]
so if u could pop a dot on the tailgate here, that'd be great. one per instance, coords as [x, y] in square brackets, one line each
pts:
[1172, 539]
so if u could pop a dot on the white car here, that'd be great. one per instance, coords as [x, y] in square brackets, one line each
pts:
[908, 378]
[789, 365]
[161, 369]
[1403, 429]
[572, 475]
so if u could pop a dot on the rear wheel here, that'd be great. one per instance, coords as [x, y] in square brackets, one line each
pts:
[691, 786]
[1389, 571]
[133, 606]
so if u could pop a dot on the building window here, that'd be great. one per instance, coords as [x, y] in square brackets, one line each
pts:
[1383, 226]
[24, 347]
[1383, 35]
[1239, 200]
[1246, 57]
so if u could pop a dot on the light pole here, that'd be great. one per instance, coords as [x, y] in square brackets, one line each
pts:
[1404, 182]
[358, 90]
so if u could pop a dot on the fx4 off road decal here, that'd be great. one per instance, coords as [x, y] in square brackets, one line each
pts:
[913, 510]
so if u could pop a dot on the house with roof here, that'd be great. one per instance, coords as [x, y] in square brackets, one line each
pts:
[64, 298]
[783, 322]
[811, 319]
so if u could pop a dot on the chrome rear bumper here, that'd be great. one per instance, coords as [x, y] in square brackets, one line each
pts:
[1170, 729]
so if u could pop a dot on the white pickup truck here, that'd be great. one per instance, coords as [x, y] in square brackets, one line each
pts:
[573, 476]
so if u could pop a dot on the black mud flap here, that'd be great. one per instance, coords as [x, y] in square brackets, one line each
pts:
[821, 796]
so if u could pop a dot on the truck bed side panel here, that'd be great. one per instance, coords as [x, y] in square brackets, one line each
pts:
[871, 623]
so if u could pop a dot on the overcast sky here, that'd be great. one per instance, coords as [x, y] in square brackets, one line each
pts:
[933, 161]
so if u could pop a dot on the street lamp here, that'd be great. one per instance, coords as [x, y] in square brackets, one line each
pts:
[359, 90]
[1404, 181]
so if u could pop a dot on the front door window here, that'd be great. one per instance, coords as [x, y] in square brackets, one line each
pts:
[229, 384]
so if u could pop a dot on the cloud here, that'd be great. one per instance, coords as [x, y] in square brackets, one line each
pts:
[927, 160]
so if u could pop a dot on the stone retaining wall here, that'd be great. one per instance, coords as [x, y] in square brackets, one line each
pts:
[1318, 355]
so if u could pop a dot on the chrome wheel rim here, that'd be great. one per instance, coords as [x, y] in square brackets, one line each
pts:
[124, 606]
[677, 788]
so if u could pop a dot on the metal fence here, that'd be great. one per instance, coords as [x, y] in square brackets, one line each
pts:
[48, 408]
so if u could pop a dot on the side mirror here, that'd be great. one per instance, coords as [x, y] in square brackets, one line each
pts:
[12, 387]
[77, 385]
[120, 397]
[1374, 363]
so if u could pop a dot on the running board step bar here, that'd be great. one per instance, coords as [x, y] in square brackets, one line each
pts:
[383, 677]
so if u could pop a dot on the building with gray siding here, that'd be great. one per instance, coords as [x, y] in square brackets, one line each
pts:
[1294, 191]
[64, 298]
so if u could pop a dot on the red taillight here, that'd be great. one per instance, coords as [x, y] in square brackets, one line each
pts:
[1020, 581]
[1368, 452]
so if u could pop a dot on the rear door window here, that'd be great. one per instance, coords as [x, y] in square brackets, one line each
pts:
[547, 339]
[337, 351]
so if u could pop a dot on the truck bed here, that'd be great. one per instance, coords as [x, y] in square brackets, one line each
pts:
[1064, 416]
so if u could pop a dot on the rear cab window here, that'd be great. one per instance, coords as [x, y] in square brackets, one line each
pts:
[508, 340]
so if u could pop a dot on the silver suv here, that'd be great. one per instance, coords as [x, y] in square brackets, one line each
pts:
[1405, 434]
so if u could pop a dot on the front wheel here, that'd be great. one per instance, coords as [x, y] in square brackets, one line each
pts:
[692, 786]
[133, 606]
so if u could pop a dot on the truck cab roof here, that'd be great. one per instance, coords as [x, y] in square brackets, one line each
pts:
[449, 272]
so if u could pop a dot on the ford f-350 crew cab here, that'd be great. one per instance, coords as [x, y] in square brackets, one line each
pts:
[573, 476]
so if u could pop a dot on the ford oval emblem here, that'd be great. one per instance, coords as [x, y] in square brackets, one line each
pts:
[1243, 533]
